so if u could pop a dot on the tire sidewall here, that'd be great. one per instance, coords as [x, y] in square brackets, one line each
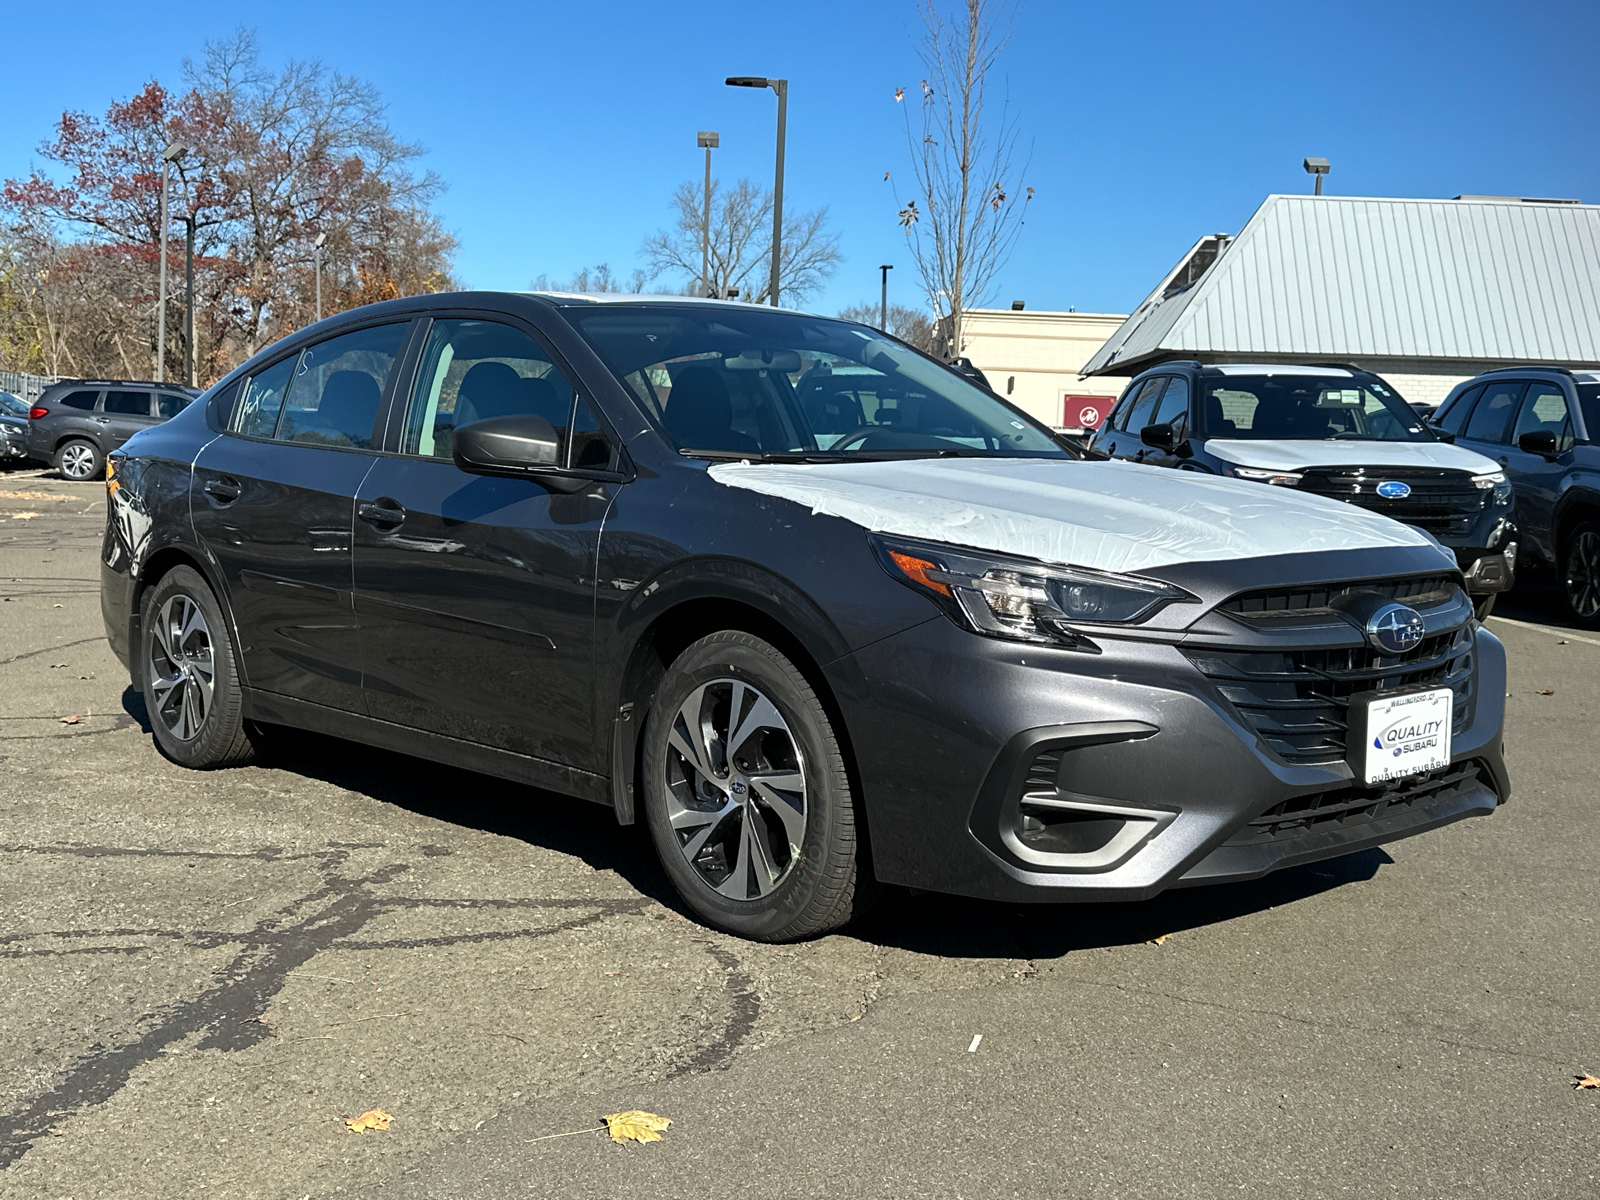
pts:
[222, 718]
[1583, 527]
[97, 460]
[736, 657]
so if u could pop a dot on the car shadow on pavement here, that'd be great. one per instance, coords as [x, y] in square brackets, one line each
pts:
[133, 705]
[950, 926]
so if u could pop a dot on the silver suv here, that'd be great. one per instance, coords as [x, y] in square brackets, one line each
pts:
[77, 422]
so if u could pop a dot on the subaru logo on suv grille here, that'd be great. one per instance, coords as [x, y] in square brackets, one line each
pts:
[1395, 629]
[1393, 489]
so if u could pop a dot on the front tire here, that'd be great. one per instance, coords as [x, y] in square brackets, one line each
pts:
[79, 460]
[746, 794]
[1580, 574]
[188, 677]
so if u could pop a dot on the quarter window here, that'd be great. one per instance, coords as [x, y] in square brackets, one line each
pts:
[474, 370]
[1492, 417]
[1544, 408]
[337, 386]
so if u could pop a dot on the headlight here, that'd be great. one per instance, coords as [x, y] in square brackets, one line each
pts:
[1496, 480]
[1022, 599]
[1281, 478]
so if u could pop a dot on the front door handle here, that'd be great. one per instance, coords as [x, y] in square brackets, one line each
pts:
[223, 490]
[382, 513]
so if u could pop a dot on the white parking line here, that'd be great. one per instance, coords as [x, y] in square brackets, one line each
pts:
[1565, 634]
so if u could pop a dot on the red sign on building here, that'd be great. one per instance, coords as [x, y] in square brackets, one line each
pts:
[1085, 412]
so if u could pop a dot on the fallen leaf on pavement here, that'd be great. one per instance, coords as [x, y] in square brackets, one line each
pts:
[373, 1118]
[635, 1126]
[74, 719]
[24, 516]
[1547, 691]
[1160, 941]
[1586, 1081]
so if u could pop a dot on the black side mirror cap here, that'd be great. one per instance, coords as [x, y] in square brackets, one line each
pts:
[1444, 435]
[1162, 437]
[1541, 442]
[521, 446]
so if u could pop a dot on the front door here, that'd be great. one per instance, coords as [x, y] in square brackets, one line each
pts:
[273, 501]
[476, 593]
[1536, 479]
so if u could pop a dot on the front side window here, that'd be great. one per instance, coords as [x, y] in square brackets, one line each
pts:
[1492, 416]
[1173, 408]
[1308, 407]
[128, 404]
[1142, 409]
[474, 370]
[83, 400]
[1544, 409]
[257, 414]
[1454, 416]
[337, 386]
[738, 380]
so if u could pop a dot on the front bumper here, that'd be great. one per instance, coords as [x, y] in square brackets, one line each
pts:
[949, 729]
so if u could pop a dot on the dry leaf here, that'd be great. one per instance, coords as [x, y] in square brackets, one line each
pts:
[23, 516]
[1586, 1081]
[74, 719]
[1160, 941]
[373, 1118]
[635, 1126]
[1547, 691]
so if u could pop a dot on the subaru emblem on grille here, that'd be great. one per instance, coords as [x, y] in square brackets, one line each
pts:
[1393, 489]
[1395, 629]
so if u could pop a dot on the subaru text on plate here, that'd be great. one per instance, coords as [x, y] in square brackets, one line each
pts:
[602, 547]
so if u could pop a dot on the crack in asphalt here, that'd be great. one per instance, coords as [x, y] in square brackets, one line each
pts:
[49, 650]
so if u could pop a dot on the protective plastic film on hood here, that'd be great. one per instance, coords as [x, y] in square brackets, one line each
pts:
[1286, 454]
[1110, 516]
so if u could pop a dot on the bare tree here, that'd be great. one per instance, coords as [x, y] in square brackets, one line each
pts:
[963, 159]
[908, 324]
[741, 243]
[598, 279]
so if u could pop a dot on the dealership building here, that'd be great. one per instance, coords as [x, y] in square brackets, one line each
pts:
[1033, 359]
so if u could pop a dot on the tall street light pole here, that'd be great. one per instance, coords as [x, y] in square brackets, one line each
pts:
[781, 87]
[709, 140]
[170, 155]
[316, 258]
[188, 296]
[883, 305]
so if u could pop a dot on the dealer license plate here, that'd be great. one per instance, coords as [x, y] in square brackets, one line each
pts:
[1407, 733]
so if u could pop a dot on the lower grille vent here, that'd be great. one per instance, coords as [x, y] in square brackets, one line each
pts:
[1344, 807]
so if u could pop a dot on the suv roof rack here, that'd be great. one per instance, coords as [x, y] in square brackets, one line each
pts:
[1524, 370]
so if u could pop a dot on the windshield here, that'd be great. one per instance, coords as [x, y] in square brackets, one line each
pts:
[11, 406]
[734, 382]
[1307, 408]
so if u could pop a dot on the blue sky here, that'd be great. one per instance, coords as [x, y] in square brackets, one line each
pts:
[562, 128]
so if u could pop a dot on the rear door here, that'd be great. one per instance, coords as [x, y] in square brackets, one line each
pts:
[273, 502]
[476, 593]
[124, 413]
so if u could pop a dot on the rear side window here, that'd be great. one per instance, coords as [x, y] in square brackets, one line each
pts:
[128, 404]
[1453, 416]
[337, 386]
[1492, 417]
[168, 405]
[83, 400]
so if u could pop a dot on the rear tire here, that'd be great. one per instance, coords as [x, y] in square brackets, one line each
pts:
[79, 460]
[747, 797]
[1580, 574]
[188, 675]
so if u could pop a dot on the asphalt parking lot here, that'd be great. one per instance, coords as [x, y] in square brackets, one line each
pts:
[203, 974]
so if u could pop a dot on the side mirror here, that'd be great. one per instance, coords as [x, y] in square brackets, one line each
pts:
[1541, 442]
[1162, 437]
[1444, 435]
[519, 445]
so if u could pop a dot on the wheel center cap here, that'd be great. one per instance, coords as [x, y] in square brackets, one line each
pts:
[738, 787]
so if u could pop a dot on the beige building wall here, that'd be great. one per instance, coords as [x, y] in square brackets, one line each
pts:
[1032, 359]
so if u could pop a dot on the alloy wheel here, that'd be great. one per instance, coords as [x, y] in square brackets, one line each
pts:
[182, 672]
[736, 789]
[77, 461]
[1583, 574]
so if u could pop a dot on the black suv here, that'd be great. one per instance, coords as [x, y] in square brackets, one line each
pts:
[1336, 431]
[77, 422]
[1540, 425]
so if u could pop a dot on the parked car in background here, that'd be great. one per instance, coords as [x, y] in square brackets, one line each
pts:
[1334, 431]
[77, 422]
[598, 545]
[13, 430]
[13, 406]
[1542, 427]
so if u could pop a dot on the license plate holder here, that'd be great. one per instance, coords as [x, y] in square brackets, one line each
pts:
[1401, 733]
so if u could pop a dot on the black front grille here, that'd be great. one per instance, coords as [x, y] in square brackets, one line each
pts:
[1269, 607]
[1441, 502]
[1297, 700]
[1356, 805]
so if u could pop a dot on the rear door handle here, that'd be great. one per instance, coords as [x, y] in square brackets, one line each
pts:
[381, 513]
[224, 490]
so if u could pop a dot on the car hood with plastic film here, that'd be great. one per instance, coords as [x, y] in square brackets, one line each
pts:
[1113, 516]
[1288, 454]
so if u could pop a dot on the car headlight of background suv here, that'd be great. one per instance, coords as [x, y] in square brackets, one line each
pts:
[1022, 599]
[1496, 480]
[1281, 478]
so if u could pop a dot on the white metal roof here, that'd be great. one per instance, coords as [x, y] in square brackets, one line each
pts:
[1353, 277]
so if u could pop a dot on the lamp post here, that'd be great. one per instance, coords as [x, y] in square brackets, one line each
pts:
[781, 87]
[170, 155]
[188, 297]
[1318, 167]
[707, 139]
[883, 304]
[316, 258]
